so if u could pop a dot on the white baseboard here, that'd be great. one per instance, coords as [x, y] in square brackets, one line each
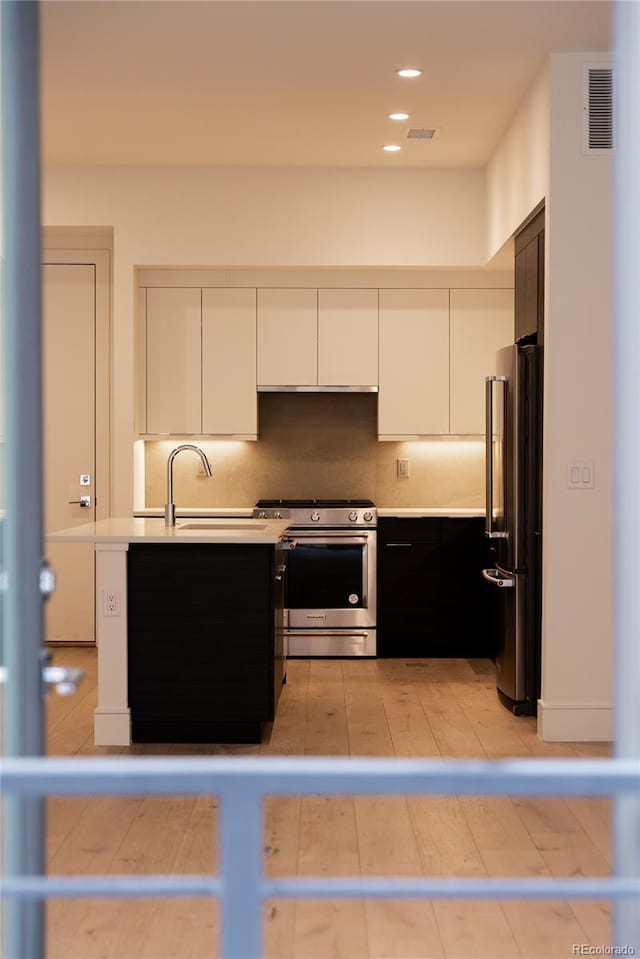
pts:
[112, 727]
[574, 723]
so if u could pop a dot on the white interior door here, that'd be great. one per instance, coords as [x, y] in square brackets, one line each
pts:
[69, 324]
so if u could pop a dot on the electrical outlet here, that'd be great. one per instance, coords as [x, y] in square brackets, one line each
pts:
[402, 468]
[110, 603]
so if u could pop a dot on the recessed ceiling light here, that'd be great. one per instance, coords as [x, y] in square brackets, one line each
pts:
[398, 116]
[392, 147]
[409, 72]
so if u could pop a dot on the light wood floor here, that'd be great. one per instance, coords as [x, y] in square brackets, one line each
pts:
[332, 707]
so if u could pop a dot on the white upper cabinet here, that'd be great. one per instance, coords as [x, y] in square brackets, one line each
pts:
[173, 360]
[482, 323]
[229, 397]
[348, 337]
[200, 371]
[317, 337]
[287, 337]
[414, 363]
[203, 353]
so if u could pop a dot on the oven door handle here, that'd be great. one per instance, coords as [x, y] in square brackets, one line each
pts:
[328, 632]
[325, 539]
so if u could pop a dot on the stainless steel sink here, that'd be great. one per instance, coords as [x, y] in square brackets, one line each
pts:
[243, 524]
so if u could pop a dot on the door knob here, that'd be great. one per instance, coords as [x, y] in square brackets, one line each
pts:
[84, 502]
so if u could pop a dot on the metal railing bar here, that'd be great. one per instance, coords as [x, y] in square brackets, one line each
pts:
[310, 776]
[451, 888]
[114, 887]
[241, 866]
[110, 887]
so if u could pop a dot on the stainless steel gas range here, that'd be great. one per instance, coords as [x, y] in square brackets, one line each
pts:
[330, 592]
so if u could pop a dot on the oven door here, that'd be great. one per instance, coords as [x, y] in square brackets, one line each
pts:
[331, 579]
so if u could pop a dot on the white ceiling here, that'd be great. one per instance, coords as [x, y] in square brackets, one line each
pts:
[294, 82]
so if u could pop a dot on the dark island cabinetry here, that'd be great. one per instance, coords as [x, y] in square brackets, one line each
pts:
[432, 600]
[204, 641]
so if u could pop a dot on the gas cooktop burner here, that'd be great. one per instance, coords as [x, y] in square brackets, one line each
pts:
[322, 503]
[318, 512]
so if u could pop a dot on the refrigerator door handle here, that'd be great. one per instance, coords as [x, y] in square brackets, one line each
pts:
[489, 531]
[497, 578]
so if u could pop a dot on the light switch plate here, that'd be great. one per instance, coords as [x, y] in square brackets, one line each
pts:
[581, 475]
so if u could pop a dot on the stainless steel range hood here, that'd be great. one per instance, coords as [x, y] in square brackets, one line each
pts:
[317, 389]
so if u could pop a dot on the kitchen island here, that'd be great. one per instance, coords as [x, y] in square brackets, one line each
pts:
[188, 627]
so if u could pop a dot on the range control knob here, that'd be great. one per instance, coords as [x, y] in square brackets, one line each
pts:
[353, 516]
[315, 516]
[262, 515]
[368, 517]
[277, 515]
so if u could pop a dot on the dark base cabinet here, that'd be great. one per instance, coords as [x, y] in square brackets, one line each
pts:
[432, 600]
[204, 641]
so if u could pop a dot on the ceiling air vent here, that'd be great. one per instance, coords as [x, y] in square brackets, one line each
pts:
[597, 108]
[419, 133]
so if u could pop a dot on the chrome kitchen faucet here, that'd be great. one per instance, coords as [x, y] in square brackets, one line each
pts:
[169, 506]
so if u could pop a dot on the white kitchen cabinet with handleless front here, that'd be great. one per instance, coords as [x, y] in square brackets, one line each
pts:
[348, 337]
[229, 398]
[173, 352]
[317, 337]
[481, 323]
[198, 374]
[414, 363]
[287, 337]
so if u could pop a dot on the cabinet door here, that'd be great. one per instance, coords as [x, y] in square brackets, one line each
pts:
[526, 292]
[173, 360]
[409, 587]
[287, 337]
[468, 602]
[348, 337]
[414, 363]
[481, 324]
[229, 397]
[432, 599]
[529, 292]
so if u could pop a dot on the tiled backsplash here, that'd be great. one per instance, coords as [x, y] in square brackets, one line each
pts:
[320, 445]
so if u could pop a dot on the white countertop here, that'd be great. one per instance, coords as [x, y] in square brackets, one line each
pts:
[198, 512]
[137, 530]
[403, 512]
[215, 527]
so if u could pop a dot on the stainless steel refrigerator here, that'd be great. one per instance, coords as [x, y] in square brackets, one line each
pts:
[514, 521]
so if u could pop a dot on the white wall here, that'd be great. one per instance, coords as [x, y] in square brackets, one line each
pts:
[518, 172]
[577, 610]
[540, 156]
[269, 217]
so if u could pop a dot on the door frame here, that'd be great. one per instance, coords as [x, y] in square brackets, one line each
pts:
[101, 262]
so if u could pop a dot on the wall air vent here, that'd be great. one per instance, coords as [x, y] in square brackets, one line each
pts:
[597, 108]
[419, 133]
